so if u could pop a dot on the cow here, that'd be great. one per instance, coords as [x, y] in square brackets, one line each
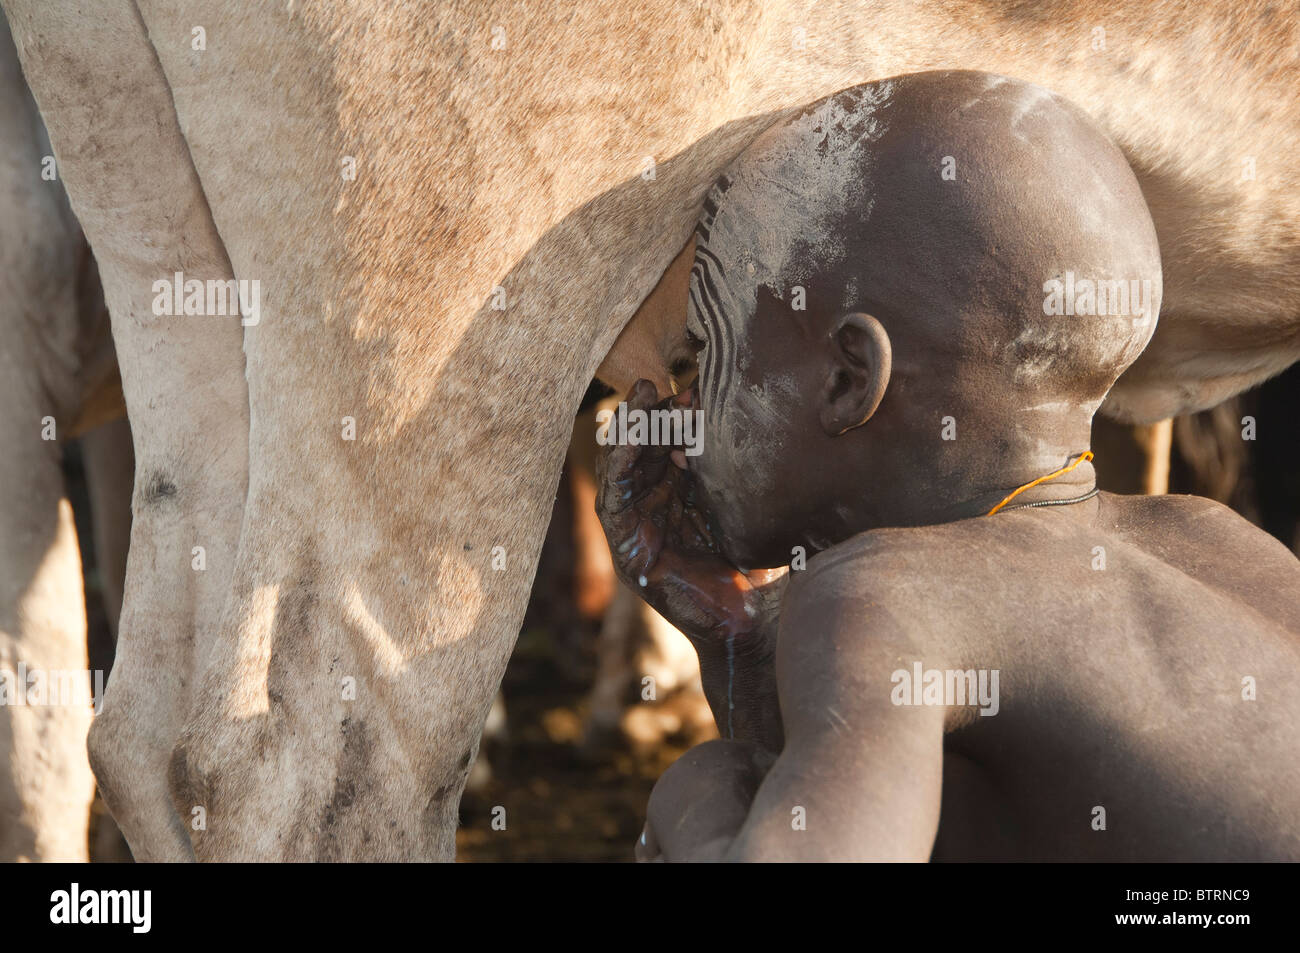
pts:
[58, 383]
[440, 219]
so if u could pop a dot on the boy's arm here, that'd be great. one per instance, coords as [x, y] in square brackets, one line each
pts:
[859, 778]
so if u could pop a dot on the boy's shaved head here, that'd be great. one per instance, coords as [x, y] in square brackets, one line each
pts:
[854, 187]
[996, 241]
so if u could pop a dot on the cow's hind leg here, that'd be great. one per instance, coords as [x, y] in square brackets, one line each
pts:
[45, 782]
[120, 150]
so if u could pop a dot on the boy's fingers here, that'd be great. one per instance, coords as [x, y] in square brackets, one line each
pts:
[619, 458]
[626, 470]
[618, 475]
[639, 551]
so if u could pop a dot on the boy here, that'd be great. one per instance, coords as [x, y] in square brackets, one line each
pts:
[909, 301]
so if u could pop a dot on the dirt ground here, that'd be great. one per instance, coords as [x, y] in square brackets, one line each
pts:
[563, 801]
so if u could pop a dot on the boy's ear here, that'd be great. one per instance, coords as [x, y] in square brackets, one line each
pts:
[859, 358]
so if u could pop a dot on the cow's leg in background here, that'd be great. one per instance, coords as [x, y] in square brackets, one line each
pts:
[108, 462]
[1132, 458]
[45, 780]
[640, 648]
[110, 477]
[1157, 442]
[121, 154]
[107, 455]
[593, 569]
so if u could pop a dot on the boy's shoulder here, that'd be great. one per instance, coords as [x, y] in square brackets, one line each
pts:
[915, 570]
[896, 579]
[899, 563]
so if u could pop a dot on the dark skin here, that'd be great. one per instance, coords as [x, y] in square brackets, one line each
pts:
[659, 533]
[1144, 645]
[1135, 707]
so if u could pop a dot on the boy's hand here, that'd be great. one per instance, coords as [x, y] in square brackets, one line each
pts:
[663, 548]
[700, 804]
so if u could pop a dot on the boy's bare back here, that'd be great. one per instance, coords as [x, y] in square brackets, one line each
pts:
[1145, 648]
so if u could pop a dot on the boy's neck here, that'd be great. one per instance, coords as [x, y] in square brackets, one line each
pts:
[1018, 483]
[988, 472]
[1076, 486]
